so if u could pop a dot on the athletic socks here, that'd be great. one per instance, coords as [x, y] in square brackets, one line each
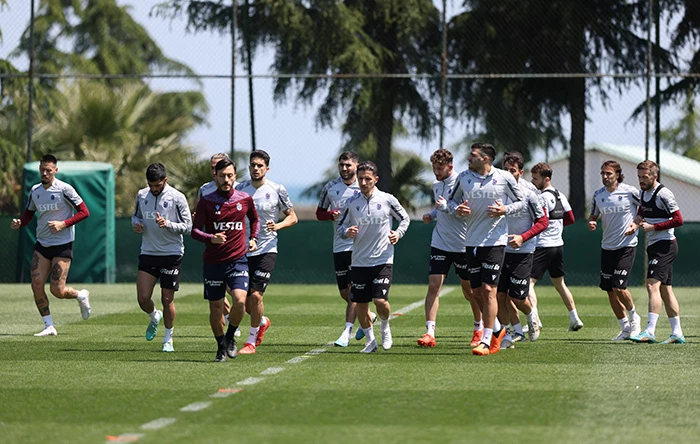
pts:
[48, 320]
[624, 324]
[221, 342]
[153, 315]
[651, 322]
[486, 338]
[573, 315]
[263, 321]
[676, 326]
[478, 325]
[253, 335]
[369, 333]
[168, 334]
[348, 328]
[497, 325]
[230, 332]
[430, 328]
[631, 313]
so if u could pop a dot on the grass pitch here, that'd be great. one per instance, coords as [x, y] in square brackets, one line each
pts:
[101, 381]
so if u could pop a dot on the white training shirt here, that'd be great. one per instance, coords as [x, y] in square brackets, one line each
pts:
[521, 220]
[373, 218]
[482, 192]
[172, 206]
[57, 202]
[616, 211]
[552, 236]
[334, 196]
[270, 199]
[450, 232]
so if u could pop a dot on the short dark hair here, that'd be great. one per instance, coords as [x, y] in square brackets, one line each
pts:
[367, 165]
[260, 154]
[442, 156]
[348, 155]
[514, 158]
[616, 167]
[486, 149]
[156, 172]
[224, 163]
[543, 169]
[649, 165]
[49, 158]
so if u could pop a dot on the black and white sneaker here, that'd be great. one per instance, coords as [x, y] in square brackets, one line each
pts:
[231, 350]
[220, 355]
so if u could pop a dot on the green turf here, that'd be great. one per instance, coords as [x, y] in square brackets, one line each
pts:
[100, 378]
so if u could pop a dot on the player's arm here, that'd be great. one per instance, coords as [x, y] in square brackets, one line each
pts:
[344, 222]
[137, 217]
[516, 195]
[675, 221]
[199, 223]
[81, 214]
[184, 223]
[254, 223]
[569, 217]
[593, 218]
[23, 220]
[322, 212]
[400, 214]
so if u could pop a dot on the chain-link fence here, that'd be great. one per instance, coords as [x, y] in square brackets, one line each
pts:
[131, 82]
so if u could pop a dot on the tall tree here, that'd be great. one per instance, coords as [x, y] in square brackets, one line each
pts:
[344, 39]
[573, 37]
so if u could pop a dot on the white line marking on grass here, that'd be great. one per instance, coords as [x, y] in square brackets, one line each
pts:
[317, 351]
[225, 393]
[272, 371]
[195, 406]
[158, 423]
[250, 381]
[298, 359]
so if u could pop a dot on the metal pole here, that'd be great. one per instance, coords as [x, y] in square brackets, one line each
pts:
[233, 78]
[443, 74]
[30, 114]
[657, 88]
[648, 83]
[249, 51]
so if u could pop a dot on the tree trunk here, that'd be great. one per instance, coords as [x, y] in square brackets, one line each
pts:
[383, 132]
[577, 159]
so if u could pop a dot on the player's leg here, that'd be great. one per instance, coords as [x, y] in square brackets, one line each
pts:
[380, 297]
[655, 301]
[39, 272]
[341, 262]
[215, 292]
[145, 282]
[476, 306]
[432, 303]
[674, 314]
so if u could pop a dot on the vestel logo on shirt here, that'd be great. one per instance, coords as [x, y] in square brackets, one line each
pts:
[47, 207]
[370, 221]
[225, 226]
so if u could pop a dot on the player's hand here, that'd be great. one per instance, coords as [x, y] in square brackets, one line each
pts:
[393, 237]
[441, 204]
[352, 232]
[56, 225]
[252, 245]
[160, 220]
[15, 224]
[646, 226]
[335, 214]
[515, 240]
[496, 210]
[138, 228]
[632, 229]
[427, 218]
[218, 238]
[592, 225]
[270, 225]
[463, 209]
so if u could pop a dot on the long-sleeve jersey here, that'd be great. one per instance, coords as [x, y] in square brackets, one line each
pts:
[552, 236]
[616, 211]
[521, 220]
[482, 192]
[172, 206]
[450, 232]
[372, 216]
[334, 196]
[270, 199]
[657, 206]
[219, 213]
[57, 202]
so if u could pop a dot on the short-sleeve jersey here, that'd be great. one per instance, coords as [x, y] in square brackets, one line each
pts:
[172, 206]
[482, 192]
[616, 211]
[334, 196]
[373, 219]
[552, 235]
[57, 202]
[664, 204]
[522, 219]
[270, 199]
[450, 232]
[217, 213]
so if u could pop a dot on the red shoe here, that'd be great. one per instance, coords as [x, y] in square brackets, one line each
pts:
[261, 332]
[476, 338]
[480, 350]
[248, 349]
[426, 341]
[496, 339]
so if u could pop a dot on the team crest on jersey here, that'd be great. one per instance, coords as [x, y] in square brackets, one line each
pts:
[619, 198]
[357, 208]
[239, 207]
[267, 196]
[379, 206]
[165, 205]
[355, 193]
[145, 202]
[495, 181]
[53, 197]
[337, 193]
[216, 207]
[469, 181]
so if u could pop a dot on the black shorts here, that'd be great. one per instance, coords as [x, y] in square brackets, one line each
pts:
[615, 267]
[261, 267]
[548, 259]
[367, 283]
[64, 250]
[165, 268]
[218, 276]
[515, 279]
[661, 256]
[341, 262]
[485, 264]
[441, 260]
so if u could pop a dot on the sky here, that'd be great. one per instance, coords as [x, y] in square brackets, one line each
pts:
[300, 151]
